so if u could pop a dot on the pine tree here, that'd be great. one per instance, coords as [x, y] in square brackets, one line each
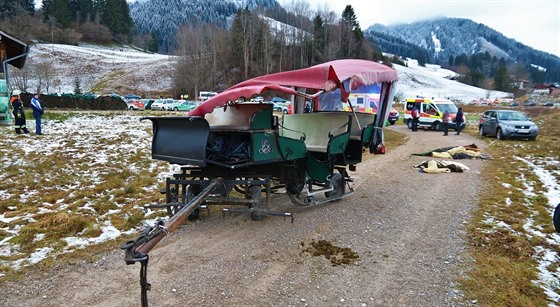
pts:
[154, 45]
[318, 39]
[501, 79]
[352, 37]
[57, 11]
[115, 14]
[81, 10]
[10, 8]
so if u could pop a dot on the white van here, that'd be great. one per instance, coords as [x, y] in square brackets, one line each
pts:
[431, 113]
[203, 96]
[161, 104]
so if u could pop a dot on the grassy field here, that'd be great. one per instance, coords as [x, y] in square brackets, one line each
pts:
[81, 184]
[513, 244]
[68, 194]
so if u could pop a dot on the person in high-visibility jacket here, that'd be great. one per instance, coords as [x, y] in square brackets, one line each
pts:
[19, 112]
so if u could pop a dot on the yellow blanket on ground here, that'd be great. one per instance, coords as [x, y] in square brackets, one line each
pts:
[442, 166]
[433, 168]
[456, 150]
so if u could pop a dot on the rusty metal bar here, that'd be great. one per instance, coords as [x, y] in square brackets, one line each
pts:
[180, 217]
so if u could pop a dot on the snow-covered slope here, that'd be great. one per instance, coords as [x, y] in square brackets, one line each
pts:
[99, 69]
[126, 70]
[433, 81]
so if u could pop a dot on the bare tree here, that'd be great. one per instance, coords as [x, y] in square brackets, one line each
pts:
[19, 78]
[202, 51]
[44, 75]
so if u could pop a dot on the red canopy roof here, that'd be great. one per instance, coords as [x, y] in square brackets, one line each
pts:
[327, 76]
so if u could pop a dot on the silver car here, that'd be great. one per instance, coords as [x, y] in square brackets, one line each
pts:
[161, 104]
[506, 124]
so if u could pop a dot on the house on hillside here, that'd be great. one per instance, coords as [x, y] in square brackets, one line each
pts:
[520, 84]
[541, 89]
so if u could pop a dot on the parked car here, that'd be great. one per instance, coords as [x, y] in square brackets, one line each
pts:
[135, 104]
[393, 116]
[281, 107]
[205, 95]
[173, 106]
[548, 104]
[131, 96]
[514, 104]
[147, 103]
[507, 124]
[258, 99]
[185, 105]
[278, 99]
[161, 104]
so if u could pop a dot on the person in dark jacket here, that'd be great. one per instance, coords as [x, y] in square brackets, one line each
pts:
[459, 121]
[415, 117]
[37, 112]
[19, 112]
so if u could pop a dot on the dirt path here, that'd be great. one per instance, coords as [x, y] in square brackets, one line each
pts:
[406, 227]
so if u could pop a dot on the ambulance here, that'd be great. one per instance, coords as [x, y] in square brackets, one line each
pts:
[431, 113]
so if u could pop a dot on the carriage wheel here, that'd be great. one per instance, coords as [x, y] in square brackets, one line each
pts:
[295, 187]
[173, 197]
[256, 195]
[337, 183]
[296, 182]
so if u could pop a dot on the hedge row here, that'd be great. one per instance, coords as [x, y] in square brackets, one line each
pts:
[80, 103]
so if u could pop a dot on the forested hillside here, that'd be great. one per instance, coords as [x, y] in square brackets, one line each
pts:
[447, 39]
[165, 18]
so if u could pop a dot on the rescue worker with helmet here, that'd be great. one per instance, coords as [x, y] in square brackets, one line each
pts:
[19, 112]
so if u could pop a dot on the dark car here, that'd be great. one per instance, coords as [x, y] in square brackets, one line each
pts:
[147, 103]
[507, 124]
[131, 96]
[393, 116]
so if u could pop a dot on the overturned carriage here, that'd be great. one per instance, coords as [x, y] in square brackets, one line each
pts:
[227, 145]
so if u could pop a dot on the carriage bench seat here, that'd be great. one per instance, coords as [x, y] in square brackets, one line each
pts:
[318, 130]
[242, 116]
[366, 124]
[365, 121]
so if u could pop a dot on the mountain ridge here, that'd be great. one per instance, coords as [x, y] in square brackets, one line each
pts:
[429, 41]
[445, 37]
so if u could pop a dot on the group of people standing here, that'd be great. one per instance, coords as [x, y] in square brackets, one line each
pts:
[19, 113]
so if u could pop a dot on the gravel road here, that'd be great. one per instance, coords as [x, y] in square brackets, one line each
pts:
[406, 227]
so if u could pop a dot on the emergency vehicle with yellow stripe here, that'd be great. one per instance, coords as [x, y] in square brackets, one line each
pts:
[431, 113]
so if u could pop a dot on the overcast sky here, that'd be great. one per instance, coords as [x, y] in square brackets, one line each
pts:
[535, 23]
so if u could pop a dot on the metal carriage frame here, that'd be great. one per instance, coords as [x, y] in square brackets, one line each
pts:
[224, 146]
